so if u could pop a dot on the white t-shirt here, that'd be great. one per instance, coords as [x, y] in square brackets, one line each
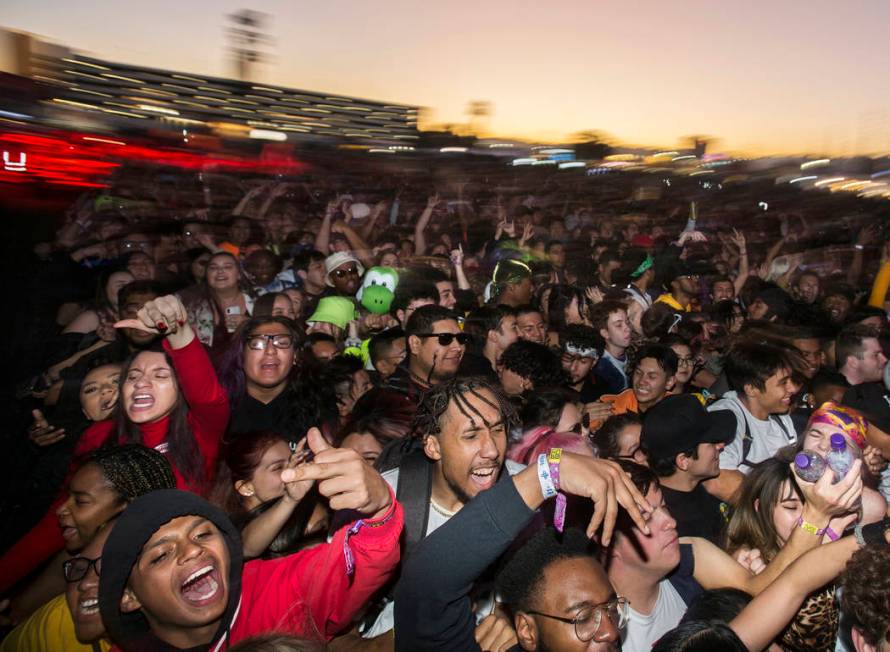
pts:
[643, 630]
[435, 520]
[767, 436]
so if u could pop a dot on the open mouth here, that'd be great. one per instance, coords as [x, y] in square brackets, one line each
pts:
[88, 606]
[143, 401]
[68, 531]
[484, 477]
[201, 587]
[105, 406]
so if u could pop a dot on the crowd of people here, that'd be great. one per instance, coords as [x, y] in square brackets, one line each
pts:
[450, 409]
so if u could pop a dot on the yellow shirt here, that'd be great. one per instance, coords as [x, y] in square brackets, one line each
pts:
[672, 302]
[49, 629]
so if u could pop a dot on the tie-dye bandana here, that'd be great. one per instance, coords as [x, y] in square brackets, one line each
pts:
[842, 418]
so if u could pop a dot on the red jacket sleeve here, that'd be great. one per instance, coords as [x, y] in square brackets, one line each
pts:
[314, 583]
[45, 539]
[207, 400]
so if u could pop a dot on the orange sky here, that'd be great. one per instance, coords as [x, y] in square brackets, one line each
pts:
[761, 76]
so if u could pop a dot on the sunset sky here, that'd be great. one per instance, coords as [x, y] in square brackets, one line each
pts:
[777, 76]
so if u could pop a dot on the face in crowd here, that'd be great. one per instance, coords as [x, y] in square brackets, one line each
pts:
[532, 327]
[149, 389]
[469, 451]
[91, 503]
[222, 273]
[346, 278]
[650, 382]
[432, 356]
[617, 332]
[99, 392]
[775, 397]
[181, 579]
[269, 355]
[82, 588]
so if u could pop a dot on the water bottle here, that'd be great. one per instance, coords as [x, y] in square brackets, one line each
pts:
[840, 457]
[809, 466]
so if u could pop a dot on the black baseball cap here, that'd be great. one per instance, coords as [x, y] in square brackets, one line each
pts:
[871, 400]
[680, 423]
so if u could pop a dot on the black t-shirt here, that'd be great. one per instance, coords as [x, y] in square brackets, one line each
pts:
[252, 415]
[591, 390]
[698, 513]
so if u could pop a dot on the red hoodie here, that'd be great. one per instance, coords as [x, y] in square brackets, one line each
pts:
[207, 418]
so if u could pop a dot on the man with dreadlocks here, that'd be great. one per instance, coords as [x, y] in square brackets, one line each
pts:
[457, 451]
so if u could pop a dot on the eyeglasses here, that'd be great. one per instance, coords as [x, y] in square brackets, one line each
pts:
[447, 338]
[352, 270]
[588, 620]
[685, 362]
[76, 568]
[261, 342]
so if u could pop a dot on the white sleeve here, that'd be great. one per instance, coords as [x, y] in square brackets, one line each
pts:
[733, 454]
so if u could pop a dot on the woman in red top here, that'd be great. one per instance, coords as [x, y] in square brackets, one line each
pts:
[170, 400]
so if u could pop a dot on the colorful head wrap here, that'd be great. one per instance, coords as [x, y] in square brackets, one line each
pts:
[842, 418]
[646, 264]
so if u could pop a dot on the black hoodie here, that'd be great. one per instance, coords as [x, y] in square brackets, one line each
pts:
[142, 518]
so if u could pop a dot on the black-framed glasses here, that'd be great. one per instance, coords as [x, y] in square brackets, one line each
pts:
[76, 568]
[685, 362]
[261, 342]
[589, 620]
[447, 338]
[352, 270]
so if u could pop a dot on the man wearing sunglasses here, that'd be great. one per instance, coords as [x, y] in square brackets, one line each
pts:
[343, 273]
[436, 347]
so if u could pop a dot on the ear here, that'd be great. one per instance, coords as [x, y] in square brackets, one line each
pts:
[757, 505]
[604, 333]
[526, 631]
[860, 644]
[671, 381]
[413, 344]
[129, 602]
[302, 274]
[682, 462]
[751, 391]
[245, 488]
[431, 448]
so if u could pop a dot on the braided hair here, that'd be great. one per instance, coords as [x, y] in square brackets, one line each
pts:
[133, 470]
[435, 402]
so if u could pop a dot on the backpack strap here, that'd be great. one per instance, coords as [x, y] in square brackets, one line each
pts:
[414, 493]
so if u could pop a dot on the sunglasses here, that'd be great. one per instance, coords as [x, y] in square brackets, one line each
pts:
[349, 271]
[76, 568]
[447, 338]
[582, 425]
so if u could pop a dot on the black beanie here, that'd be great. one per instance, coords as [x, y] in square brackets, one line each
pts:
[142, 518]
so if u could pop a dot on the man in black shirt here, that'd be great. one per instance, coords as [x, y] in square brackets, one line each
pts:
[683, 443]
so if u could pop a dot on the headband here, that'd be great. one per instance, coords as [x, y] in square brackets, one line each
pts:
[516, 274]
[583, 351]
[646, 264]
[842, 418]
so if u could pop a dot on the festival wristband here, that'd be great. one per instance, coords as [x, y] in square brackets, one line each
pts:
[548, 489]
[559, 515]
[831, 534]
[809, 527]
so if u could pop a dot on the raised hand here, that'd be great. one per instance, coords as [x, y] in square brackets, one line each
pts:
[296, 490]
[432, 201]
[827, 498]
[608, 486]
[42, 433]
[457, 256]
[343, 476]
[738, 239]
[164, 316]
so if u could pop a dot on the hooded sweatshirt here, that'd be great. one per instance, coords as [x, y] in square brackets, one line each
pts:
[207, 418]
[308, 594]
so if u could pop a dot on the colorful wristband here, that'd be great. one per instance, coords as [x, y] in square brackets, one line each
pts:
[548, 489]
[809, 527]
[554, 457]
[831, 534]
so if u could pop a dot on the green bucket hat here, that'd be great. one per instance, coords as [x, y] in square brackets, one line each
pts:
[338, 311]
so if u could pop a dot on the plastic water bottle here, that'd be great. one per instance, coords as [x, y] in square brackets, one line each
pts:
[809, 466]
[840, 457]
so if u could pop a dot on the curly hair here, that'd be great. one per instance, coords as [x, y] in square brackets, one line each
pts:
[866, 595]
[535, 362]
[435, 402]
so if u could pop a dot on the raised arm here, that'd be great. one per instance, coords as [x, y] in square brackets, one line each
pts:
[824, 500]
[433, 610]
[323, 237]
[738, 239]
[422, 222]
